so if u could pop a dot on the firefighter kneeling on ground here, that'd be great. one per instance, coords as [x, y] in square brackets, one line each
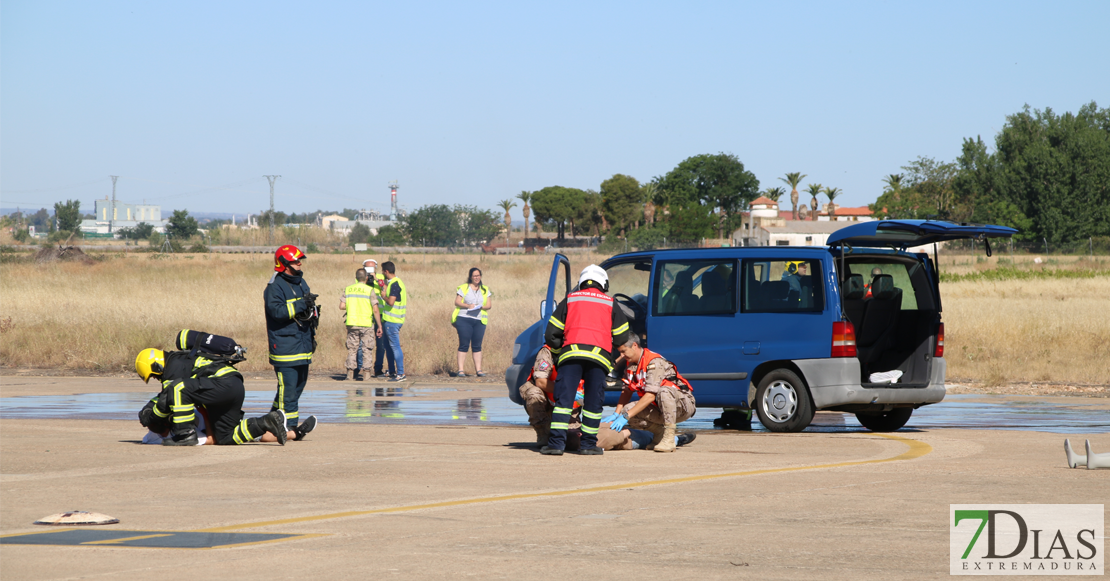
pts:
[582, 333]
[666, 398]
[191, 378]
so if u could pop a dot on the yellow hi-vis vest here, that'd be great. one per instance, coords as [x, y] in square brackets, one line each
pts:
[360, 311]
[465, 288]
[396, 313]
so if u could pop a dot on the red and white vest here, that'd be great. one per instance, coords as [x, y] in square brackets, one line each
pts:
[635, 378]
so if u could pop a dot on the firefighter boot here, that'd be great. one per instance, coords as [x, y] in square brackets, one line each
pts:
[667, 444]
[274, 422]
[183, 435]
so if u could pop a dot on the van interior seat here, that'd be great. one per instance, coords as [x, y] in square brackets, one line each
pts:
[776, 294]
[880, 317]
[715, 295]
[854, 303]
[680, 298]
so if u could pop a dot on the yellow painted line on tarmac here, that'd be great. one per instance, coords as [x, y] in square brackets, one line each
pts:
[917, 449]
[117, 541]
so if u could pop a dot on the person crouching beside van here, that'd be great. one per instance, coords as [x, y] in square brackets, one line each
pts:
[666, 398]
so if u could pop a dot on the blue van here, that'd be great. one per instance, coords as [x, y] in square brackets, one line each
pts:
[787, 330]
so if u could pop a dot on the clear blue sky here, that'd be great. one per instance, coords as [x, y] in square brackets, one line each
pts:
[472, 102]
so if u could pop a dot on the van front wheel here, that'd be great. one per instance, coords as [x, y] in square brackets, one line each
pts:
[782, 402]
[885, 421]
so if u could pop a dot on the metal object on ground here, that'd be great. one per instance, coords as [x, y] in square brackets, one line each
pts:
[77, 518]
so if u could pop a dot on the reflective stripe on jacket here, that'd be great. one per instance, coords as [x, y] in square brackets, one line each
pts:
[464, 288]
[290, 344]
[396, 312]
[360, 305]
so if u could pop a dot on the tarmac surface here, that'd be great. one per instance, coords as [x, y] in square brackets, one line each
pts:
[469, 497]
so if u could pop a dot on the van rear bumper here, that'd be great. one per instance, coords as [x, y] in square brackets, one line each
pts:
[835, 382]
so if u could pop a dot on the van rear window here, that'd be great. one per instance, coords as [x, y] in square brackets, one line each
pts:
[782, 286]
[695, 287]
[896, 270]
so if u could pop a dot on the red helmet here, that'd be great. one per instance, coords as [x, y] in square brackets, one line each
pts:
[285, 255]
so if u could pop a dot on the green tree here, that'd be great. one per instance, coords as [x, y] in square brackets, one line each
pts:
[388, 236]
[432, 225]
[477, 225]
[649, 237]
[717, 181]
[507, 205]
[181, 226]
[621, 199]
[68, 215]
[1049, 172]
[359, 234]
[650, 192]
[141, 231]
[794, 178]
[556, 205]
[690, 223]
[589, 215]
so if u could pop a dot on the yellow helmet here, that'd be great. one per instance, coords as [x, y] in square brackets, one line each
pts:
[792, 266]
[150, 362]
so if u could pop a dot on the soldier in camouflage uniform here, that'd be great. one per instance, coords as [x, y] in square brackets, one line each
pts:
[666, 398]
[539, 400]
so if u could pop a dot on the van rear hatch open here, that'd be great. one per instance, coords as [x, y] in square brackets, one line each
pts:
[906, 233]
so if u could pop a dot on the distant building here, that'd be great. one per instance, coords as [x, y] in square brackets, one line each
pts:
[111, 217]
[765, 225]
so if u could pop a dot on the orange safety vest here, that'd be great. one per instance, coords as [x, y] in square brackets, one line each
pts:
[589, 319]
[634, 379]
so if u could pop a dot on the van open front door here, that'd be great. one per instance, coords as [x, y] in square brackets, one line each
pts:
[529, 342]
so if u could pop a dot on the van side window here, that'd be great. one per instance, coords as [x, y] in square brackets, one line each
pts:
[695, 287]
[782, 286]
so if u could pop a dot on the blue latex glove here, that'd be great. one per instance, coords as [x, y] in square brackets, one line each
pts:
[610, 418]
[579, 397]
[619, 423]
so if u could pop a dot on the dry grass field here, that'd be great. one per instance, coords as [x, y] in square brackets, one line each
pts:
[94, 316]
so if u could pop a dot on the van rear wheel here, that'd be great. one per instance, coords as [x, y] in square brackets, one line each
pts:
[782, 402]
[885, 421]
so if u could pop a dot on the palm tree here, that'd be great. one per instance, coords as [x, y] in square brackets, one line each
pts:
[813, 190]
[794, 178]
[774, 194]
[893, 182]
[649, 190]
[831, 194]
[525, 197]
[508, 205]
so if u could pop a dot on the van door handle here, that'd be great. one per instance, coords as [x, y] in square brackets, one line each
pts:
[751, 347]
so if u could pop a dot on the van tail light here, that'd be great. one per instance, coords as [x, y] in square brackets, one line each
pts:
[843, 339]
[940, 341]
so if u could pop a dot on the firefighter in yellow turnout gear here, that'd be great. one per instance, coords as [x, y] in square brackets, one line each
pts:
[190, 379]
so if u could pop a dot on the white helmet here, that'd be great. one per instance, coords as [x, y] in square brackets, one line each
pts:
[595, 273]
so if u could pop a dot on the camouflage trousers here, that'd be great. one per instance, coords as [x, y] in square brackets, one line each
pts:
[354, 335]
[671, 407]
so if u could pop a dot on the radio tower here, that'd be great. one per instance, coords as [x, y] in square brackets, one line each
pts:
[393, 201]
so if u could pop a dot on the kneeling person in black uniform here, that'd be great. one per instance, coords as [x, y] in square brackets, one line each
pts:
[191, 378]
